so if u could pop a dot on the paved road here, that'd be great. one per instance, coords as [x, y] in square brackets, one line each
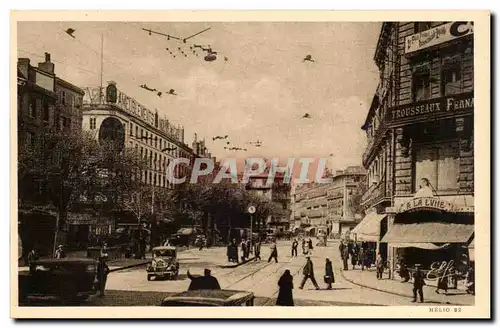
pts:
[260, 277]
[131, 287]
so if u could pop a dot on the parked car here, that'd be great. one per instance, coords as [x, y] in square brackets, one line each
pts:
[212, 297]
[65, 279]
[164, 263]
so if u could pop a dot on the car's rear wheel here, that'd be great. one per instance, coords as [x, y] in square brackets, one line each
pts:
[149, 277]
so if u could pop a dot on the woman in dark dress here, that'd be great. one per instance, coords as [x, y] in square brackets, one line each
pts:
[285, 297]
[329, 277]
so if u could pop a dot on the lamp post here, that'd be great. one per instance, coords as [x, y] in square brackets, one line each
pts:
[251, 209]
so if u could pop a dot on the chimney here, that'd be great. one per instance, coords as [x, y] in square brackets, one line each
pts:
[47, 66]
[23, 65]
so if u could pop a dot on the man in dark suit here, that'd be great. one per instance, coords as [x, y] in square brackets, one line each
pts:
[418, 284]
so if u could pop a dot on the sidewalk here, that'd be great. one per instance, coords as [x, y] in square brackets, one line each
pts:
[368, 279]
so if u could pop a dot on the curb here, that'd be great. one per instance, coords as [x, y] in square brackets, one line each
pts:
[227, 266]
[392, 293]
[129, 266]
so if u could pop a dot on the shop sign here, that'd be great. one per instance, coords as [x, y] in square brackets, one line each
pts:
[434, 107]
[438, 35]
[427, 203]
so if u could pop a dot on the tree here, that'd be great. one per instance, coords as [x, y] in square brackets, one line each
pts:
[355, 201]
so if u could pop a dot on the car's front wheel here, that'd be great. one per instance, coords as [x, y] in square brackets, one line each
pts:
[149, 277]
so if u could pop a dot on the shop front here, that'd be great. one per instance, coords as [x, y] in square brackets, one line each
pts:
[434, 233]
[369, 232]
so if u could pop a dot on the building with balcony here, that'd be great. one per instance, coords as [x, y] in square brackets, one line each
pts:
[115, 117]
[327, 207]
[278, 193]
[41, 107]
[420, 154]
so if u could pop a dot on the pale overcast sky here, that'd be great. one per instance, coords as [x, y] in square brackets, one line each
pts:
[261, 91]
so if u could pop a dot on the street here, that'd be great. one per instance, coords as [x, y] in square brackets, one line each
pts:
[130, 287]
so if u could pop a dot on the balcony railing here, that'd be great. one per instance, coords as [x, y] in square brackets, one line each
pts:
[373, 142]
[376, 193]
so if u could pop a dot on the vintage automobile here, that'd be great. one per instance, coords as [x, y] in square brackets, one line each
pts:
[212, 297]
[66, 280]
[164, 263]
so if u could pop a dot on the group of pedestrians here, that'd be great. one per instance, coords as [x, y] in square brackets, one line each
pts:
[285, 283]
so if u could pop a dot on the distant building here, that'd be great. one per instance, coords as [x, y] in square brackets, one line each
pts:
[114, 116]
[278, 193]
[327, 207]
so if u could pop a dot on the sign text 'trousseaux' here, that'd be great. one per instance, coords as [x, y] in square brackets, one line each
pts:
[432, 107]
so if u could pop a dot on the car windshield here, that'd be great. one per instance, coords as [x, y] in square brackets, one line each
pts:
[164, 253]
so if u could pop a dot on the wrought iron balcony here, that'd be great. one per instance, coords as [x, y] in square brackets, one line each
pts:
[376, 193]
[373, 143]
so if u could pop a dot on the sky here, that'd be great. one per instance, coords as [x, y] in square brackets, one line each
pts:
[260, 93]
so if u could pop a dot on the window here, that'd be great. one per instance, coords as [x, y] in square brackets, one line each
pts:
[422, 26]
[451, 76]
[421, 86]
[63, 98]
[150, 177]
[161, 142]
[46, 110]
[154, 181]
[29, 139]
[155, 161]
[92, 123]
[156, 142]
[131, 129]
[136, 131]
[32, 108]
[439, 164]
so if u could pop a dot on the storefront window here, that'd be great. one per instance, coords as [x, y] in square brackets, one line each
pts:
[439, 164]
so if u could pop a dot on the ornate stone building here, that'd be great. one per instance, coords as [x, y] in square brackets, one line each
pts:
[420, 154]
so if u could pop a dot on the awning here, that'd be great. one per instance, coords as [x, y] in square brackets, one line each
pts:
[429, 246]
[429, 232]
[369, 228]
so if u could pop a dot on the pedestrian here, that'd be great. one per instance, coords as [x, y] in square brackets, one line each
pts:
[243, 250]
[60, 253]
[442, 283]
[418, 284]
[285, 285]
[310, 244]
[200, 241]
[32, 258]
[329, 277]
[274, 253]
[295, 245]
[207, 281]
[249, 247]
[229, 250]
[345, 258]
[379, 264]
[304, 247]
[102, 273]
[403, 272]
[469, 281]
[354, 259]
[308, 273]
[361, 258]
[341, 248]
[257, 250]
